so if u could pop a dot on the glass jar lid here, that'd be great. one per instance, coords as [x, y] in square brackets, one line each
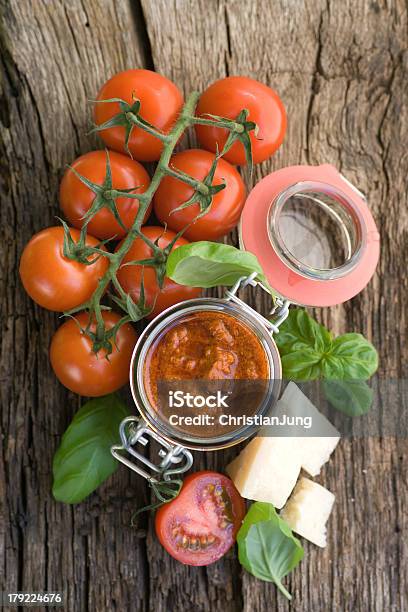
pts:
[312, 233]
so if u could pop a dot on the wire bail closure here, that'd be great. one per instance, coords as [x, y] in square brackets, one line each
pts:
[133, 431]
[279, 311]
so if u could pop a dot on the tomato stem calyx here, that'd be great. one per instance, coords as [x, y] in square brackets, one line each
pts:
[165, 491]
[129, 118]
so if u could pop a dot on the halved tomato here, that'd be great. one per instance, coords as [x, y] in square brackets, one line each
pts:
[201, 524]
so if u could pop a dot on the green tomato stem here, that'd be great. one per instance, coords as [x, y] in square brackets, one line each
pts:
[189, 180]
[227, 124]
[132, 118]
[170, 141]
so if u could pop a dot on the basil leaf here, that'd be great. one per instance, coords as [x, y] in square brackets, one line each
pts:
[83, 460]
[300, 365]
[208, 264]
[309, 351]
[352, 357]
[302, 342]
[299, 331]
[266, 546]
[352, 397]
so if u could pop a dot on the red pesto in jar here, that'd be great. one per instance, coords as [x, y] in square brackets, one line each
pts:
[205, 345]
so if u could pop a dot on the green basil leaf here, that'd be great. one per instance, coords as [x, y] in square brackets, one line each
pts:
[208, 264]
[352, 357]
[267, 547]
[83, 460]
[352, 397]
[302, 342]
[301, 365]
[309, 351]
[300, 331]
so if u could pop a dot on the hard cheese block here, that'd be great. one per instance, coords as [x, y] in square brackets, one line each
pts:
[316, 449]
[267, 469]
[308, 510]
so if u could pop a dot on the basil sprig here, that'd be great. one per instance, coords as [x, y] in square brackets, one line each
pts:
[310, 352]
[209, 264]
[83, 460]
[267, 547]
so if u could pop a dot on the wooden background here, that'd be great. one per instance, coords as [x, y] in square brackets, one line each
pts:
[341, 69]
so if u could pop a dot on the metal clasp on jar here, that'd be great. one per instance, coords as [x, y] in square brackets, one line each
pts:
[174, 458]
[279, 310]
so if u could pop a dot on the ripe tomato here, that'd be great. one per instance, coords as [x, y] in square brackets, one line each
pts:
[226, 206]
[52, 280]
[130, 276]
[226, 98]
[201, 524]
[161, 102]
[76, 198]
[79, 369]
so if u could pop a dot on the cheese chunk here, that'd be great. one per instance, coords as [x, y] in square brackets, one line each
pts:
[267, 469]
[316, 452]
[308, 510]
[316, 449]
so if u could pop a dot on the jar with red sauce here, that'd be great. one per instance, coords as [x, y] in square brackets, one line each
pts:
[318, 245]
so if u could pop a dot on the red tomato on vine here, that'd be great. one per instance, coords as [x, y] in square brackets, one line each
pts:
[160, 104]
[82, 371]
[226, 98]
[76, 198]
[226, 206]
[130, 277]
[54, 281]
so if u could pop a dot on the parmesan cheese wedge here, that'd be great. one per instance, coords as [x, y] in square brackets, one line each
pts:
[308, 510]
[316, 450]
[267, 469]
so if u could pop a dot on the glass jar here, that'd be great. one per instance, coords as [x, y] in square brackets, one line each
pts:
[163, 323]
[175, 444]
[318, 245]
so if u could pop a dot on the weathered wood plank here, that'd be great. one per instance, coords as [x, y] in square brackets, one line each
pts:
[341, 70]
[55, 56]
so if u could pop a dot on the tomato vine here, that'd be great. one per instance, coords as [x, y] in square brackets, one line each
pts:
[128, 117]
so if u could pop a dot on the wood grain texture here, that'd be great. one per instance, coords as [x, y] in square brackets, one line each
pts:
[341, 68]
[55, 56]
